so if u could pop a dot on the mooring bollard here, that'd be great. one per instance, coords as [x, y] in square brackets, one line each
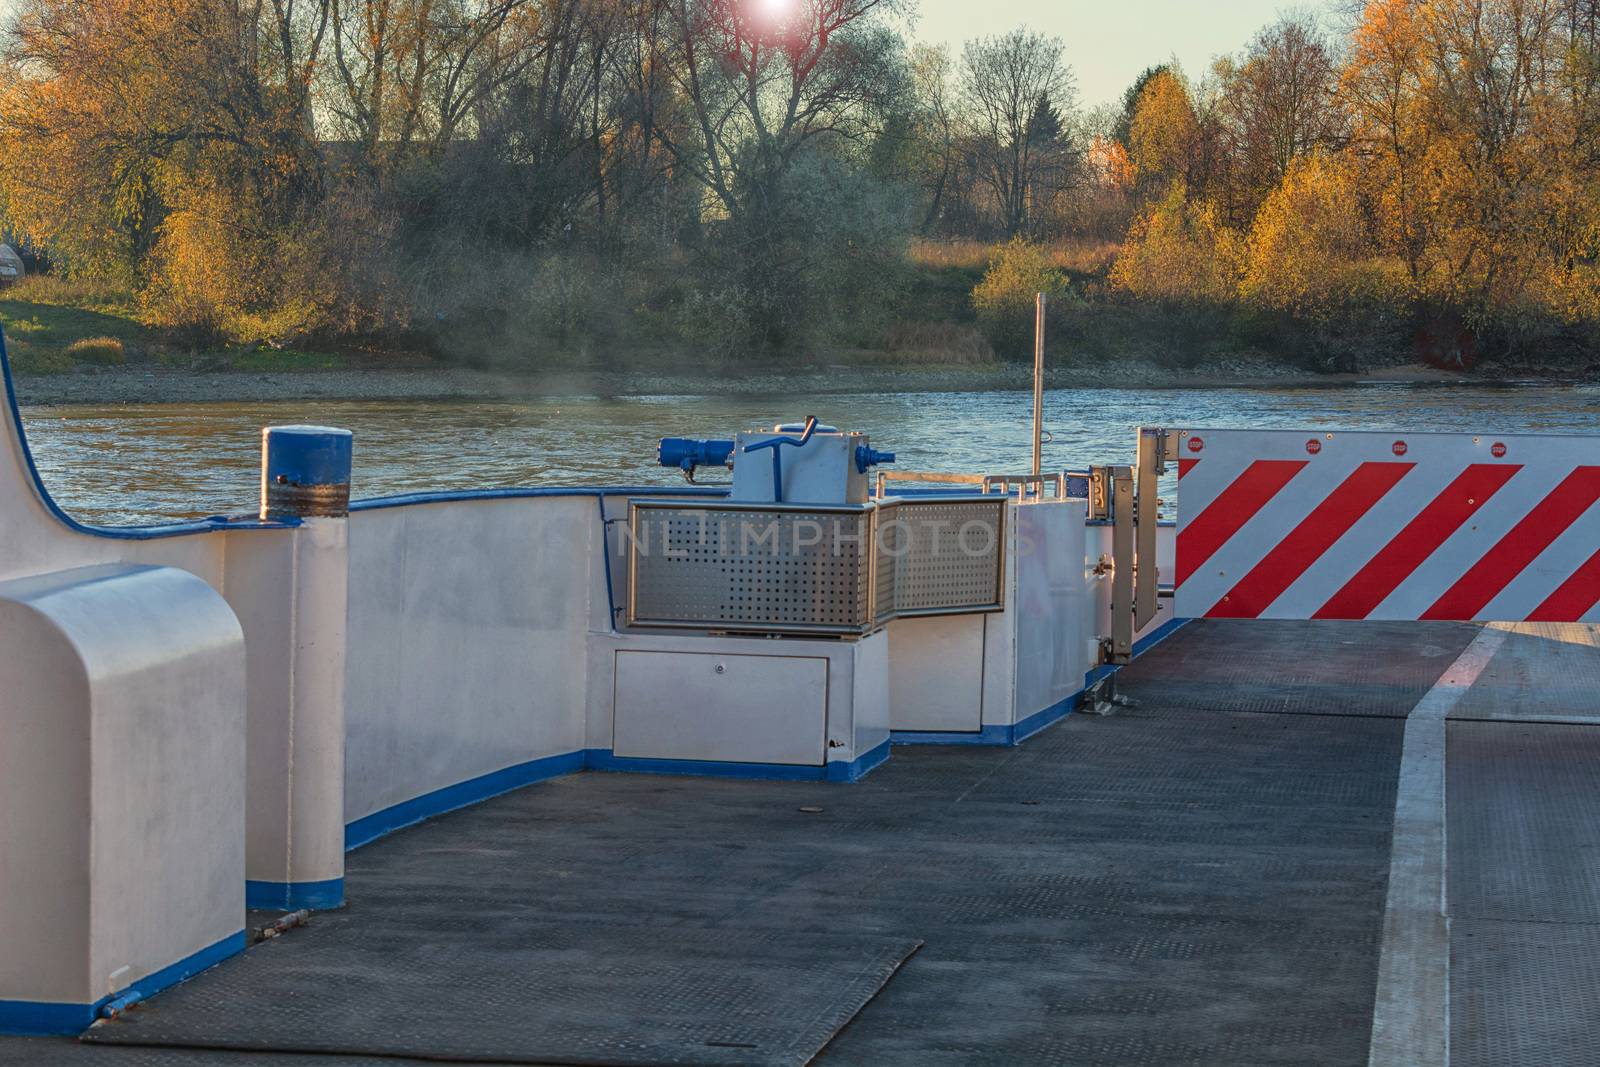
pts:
[295, 828]
[305, 472]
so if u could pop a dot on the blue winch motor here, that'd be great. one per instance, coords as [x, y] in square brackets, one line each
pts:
[870, 457]
[687, 453]
[791, 463]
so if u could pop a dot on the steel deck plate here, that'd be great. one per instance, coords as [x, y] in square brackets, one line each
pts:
[1523, 816]
[1524, 993]
[1378, 669]
[1524, 821]
[1547, 672]
[504, 989]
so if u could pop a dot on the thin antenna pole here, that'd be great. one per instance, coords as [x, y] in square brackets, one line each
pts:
[1038, 385]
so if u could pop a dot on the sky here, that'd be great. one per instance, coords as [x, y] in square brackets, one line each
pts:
[1108, 42]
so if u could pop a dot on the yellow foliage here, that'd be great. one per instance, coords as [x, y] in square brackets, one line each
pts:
[1306, 247]
[1018, 270]
[1180, 251]
[1109, 164]
[201, 275]
[1163, 130]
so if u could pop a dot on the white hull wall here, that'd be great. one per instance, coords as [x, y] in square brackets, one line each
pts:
[468, 629]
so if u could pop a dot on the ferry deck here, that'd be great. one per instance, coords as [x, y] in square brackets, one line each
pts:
[1244, 841]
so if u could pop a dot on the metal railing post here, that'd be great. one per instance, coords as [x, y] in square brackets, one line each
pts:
[1122, 559]
[1151, 460]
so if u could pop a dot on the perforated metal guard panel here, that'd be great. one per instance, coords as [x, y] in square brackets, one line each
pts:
[941, 556]
[813, 570]
[799, 570]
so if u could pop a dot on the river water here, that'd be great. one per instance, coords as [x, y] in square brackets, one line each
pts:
[148, 463]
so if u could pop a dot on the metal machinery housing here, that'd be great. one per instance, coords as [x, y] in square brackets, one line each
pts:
[843, 570]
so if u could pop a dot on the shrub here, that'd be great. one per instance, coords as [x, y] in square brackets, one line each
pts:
[1004, 300]
[101, 351]
[202, 276]
[1180, 252]
[819, 259]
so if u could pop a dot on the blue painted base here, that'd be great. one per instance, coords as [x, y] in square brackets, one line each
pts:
[1020, 732]
[292, 896]
[992, 735]
[860, 767]
[603, 759]
[370, 828]
[38, 1019]
[989, 735]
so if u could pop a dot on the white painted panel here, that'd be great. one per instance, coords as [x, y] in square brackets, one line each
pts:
[743, 709]
[936, 673]
[1052, 605]
[869, 696]
[468, 626]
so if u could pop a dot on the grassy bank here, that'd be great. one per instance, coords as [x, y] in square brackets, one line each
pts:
[54, 326]
[927, 324]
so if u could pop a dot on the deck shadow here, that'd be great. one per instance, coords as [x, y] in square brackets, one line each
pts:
[1374, 669]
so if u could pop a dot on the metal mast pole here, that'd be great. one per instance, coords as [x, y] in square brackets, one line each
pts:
[1038, 385]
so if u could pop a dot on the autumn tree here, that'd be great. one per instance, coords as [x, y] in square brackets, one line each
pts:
[117, 107]
[1163, 133]
[1014, 88]
[1274, 103]
[932, 73]
[1307, 253]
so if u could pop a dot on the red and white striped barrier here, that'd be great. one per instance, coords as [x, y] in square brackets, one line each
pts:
[1287, 524]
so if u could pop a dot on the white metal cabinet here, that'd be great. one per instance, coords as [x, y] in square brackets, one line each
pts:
[712, 706]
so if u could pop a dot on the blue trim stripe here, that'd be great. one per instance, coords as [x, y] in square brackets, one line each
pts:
[406, 500]
[33, 1018]
[121, 533]
[463, 794]
[292, 896]
[604, 759]
[410, 812]
[989, 735]
[1041, 719]
[861, 766]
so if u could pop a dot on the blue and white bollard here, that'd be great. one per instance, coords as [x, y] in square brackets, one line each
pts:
[295, 824]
